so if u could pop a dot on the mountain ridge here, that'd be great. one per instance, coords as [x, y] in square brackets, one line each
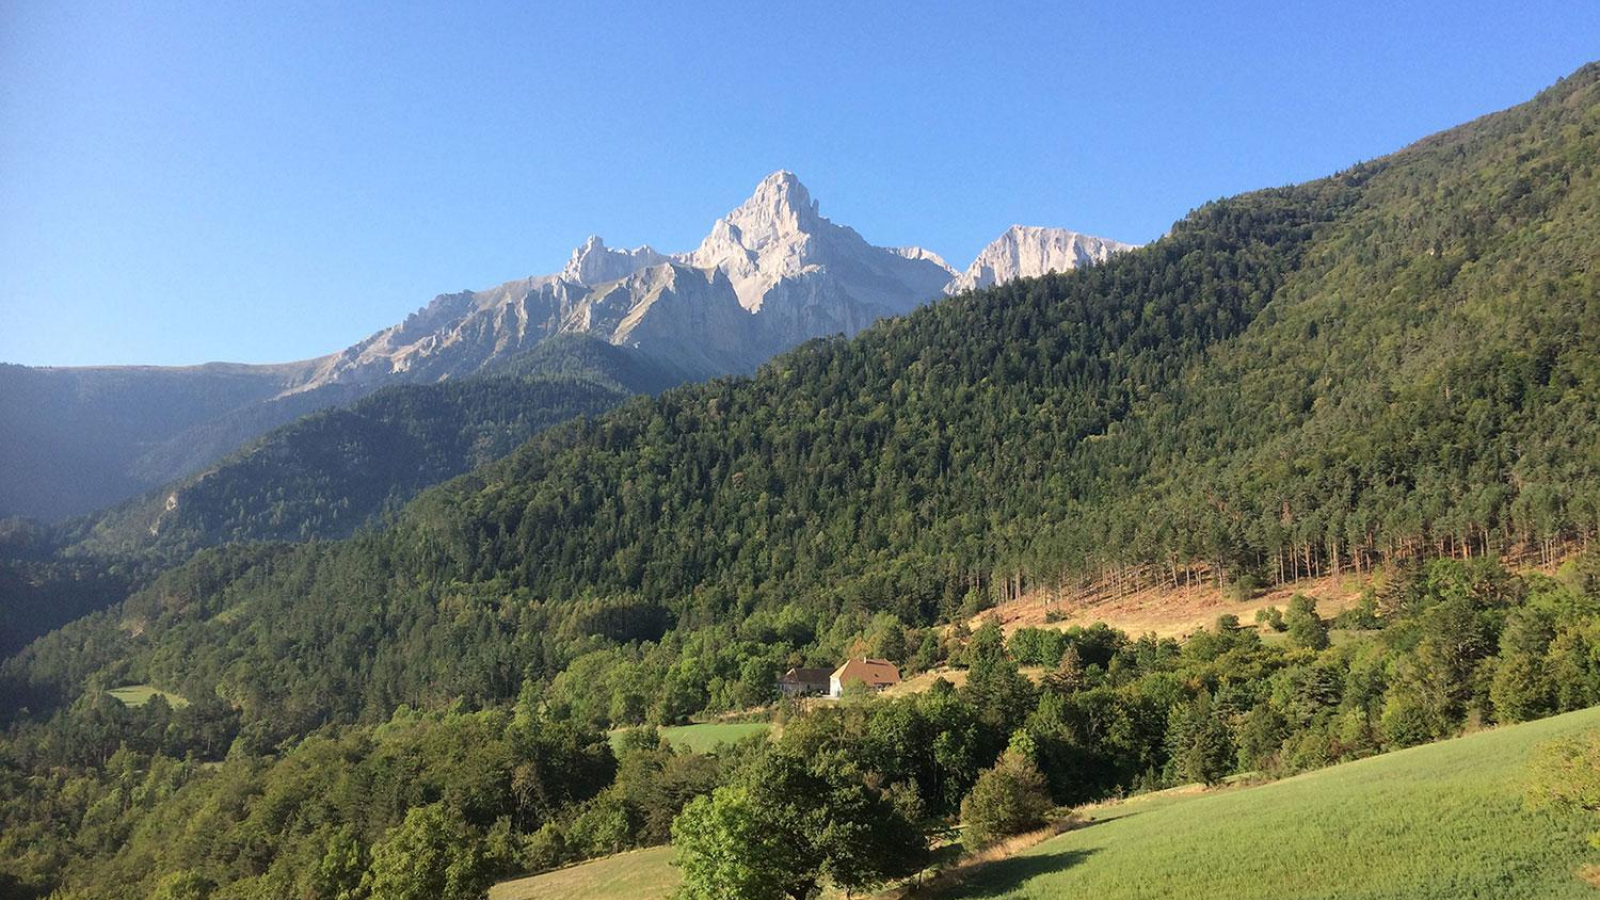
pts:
[770, 274]
[796, 273]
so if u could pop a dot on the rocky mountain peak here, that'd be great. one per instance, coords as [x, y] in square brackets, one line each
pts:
[780, 213]
[780, 206]
[777, 233]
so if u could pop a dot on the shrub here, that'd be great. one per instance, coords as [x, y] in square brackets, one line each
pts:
[1008, 799]
[789, 822]
[1198, 739]
[1037, 646]
[1261, 735]
[1361, 617]
[1565, 774]
[1271, 617]
[546, 848]
[183, 885]
[1244, 588]
[433, 855]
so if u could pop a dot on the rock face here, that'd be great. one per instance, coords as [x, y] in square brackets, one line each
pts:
[1027, 251]
[595, 263]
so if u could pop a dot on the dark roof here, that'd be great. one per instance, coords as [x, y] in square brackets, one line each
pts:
[807, 676]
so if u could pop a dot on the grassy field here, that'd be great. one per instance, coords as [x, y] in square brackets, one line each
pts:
[140, 694]
[639, 875]
[705, 738]
[1435, 822]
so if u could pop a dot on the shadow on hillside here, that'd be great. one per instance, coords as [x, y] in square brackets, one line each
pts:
[1000, 877]
[1090, 823]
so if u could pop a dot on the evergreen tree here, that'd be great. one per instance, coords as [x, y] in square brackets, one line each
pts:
[1008, 799]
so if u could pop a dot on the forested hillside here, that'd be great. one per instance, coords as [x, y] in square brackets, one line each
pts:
[322, 477]
[1399, 361]
[1399, 358]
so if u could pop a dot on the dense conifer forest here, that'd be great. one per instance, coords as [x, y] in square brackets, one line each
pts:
[1393, 371]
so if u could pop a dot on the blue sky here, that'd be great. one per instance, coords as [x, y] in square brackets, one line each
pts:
[184, 182]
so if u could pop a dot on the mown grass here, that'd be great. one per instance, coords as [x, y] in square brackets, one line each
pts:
[637, 875]
[704, 738]
[1429, 823]
[140, 694]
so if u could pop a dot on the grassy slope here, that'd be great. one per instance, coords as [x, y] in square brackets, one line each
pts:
[1442, 821]
[638, 875]
[705, 738]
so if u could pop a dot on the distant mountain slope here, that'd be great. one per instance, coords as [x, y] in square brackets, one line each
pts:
[331, 472]
[772, 273]
[589, 359]
[71, 438]
[322, 477]
[1402, 359]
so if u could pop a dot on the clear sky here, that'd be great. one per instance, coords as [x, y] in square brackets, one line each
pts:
[183, 182]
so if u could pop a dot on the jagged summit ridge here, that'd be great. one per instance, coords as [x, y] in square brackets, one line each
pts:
[771, 273]
[595, 263]
[924, 253]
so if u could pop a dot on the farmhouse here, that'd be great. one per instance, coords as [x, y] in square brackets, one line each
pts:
[876, 674]
[800, 682]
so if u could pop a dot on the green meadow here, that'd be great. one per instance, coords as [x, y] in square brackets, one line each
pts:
[1429, 823]
[140, 694]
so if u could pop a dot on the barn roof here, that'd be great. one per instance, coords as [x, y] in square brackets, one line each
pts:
[871, 671]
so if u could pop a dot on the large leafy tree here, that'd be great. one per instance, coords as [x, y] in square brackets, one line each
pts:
[727, 852]
[791, 825]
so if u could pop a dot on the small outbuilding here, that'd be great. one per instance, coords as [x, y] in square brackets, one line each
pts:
[803, 682]
[876, 674]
